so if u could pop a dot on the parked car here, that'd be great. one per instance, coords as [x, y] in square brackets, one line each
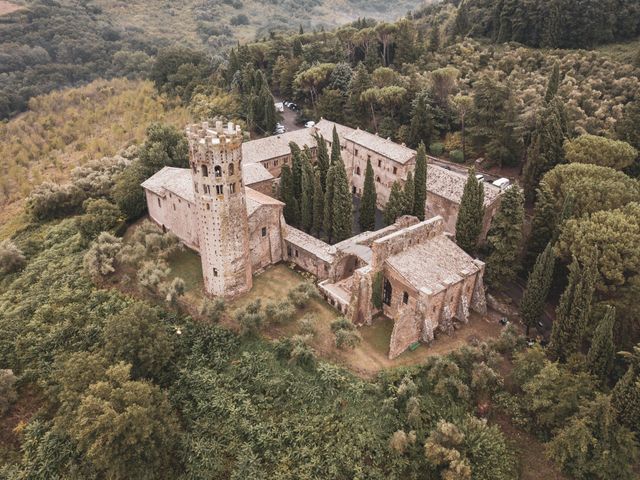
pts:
[480, 177]
[310, 124]
[286, 104]
[279, 131]
[279, 107]
[502, 183]
[293, 106]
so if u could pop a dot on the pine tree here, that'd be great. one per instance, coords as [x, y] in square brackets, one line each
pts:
[470, 214]
[395, 204]
[626, 394]
[306, 205]
[287, 196]
[318, 204]
[574, 310]
[537, 289]
[342, 222]
[323, 160]
[504, 239]
[602, 351]
[409, 195]
[554, 83]
[420, 196]
[368, 203]
[328, 205]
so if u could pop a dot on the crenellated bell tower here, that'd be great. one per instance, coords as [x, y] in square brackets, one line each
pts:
[215, 155]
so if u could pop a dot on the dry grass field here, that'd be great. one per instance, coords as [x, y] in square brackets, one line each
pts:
[7, 7]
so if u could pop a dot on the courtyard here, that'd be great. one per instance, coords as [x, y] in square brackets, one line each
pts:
[366, 359]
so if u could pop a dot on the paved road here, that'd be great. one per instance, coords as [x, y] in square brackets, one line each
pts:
[289, 118]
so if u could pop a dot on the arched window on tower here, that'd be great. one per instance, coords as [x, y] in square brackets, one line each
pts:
[378, 179]
[218, 170]
[357, 170]
[231, 169]
[205, 171]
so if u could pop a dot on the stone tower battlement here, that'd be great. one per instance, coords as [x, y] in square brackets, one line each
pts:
[215, 157]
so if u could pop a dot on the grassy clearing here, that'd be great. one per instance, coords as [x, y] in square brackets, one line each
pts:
[627, 52]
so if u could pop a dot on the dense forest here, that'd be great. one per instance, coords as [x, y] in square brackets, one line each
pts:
[114, 375]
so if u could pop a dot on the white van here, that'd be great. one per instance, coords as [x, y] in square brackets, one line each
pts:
[280, 107]
[502, 183]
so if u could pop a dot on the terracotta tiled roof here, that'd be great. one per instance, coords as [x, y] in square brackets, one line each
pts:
[171, 179]
[255, 173]
[274, 146]
[383, 146]
[450, 185]
[432, 264]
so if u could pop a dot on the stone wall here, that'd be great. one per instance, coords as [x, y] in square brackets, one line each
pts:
[265, 237]
[266, 187]
[385, 170]
[176, 215]
[307, 260]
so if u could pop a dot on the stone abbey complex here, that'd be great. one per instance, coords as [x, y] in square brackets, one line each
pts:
[222, 207]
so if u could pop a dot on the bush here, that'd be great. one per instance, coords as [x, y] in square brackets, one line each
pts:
[50, 200]
[100, 215]
[241, 19]
[301, 294]
[436, 148]
[342, 323]
[11, 258]
[345, 333]
[457, 156]
[212, 309]
[308, 325]
[8, 393]
[100, 260]
[279, 313]
[250, 319]
[152, 274]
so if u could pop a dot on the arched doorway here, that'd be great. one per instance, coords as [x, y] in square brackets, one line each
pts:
[387, 292]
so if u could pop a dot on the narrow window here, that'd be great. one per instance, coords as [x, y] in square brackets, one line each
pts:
[405, 297]
[379, 163]
[159, 203]
[395, 170]
[356, 152]
[218, 171]
[232, 188]
[275, 163]
[264, 231]
[358, 170]
[288, 250]
[174, 207]
[296, 252]
[378, 179]
[195, 186]
[231, 169]
[208, 207]
[215, 272]
[219, 190]
[205, 171]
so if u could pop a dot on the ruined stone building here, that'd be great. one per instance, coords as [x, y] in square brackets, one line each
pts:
[221, 207]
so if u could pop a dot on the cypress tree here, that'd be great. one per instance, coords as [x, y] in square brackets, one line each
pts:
[368, 203]
[547, 146]
[395, 205]
[626, 394]
[409, 194]
[336, 155]
[288, 197]
[602, 351]
[470, 214]
[554, 83]
[306, 205]
[269, 119]
[342, 222]
[318, 204]
[574, 310]
[423, 123]
[328, 205]
[323, 160]
[420, 196]
[296, 169]
[504, 239]
[537, 289]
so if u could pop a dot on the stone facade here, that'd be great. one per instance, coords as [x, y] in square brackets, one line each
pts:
[428, 285]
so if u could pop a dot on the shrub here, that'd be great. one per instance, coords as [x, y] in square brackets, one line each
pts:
[279, 313]
[174, 290]
[250, 318]
[342, 323]
[11, 258]
[152, 274]
[50, 200]
[100, 260]
[457, 156]
[308, 325]
[301, 294]
[345, 333]
[453, 141]
[212, 309]
[8, 393]
[436, 148]
[241, 19]
[100, 215]
[301, 353]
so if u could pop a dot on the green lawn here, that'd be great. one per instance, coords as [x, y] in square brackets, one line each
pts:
[186, 265]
